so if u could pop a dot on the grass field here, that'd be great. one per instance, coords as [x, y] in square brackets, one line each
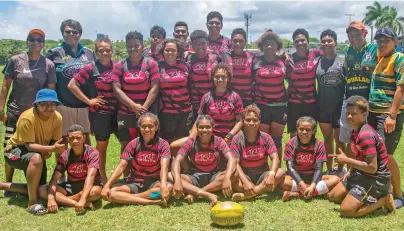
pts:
[263, 213]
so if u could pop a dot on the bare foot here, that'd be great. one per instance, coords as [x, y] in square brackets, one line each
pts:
[213, 199]
[190, 198]
[238, 197]
[288, 195]
[389, 204]
[90, 205]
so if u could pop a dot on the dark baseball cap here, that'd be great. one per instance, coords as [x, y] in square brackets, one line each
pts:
[387, 32]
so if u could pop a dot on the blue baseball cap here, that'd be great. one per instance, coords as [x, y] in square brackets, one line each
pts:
[46, 95]
[386, 32]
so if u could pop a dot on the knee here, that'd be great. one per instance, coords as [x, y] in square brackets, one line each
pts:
[347, 211]
[95, 193]
[280, 175]
[36, 160]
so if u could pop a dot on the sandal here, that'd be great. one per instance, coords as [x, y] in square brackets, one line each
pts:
[37, 209]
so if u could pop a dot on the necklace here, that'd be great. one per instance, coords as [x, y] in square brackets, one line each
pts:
[35, 63]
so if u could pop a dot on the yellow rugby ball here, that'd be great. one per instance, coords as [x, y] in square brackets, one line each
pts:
[228, 213]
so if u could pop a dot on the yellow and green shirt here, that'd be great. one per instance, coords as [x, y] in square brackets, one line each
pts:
[387, 75]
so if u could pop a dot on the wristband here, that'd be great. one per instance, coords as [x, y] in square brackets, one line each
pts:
[229, 136]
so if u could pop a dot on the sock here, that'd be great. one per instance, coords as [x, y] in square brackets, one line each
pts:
[294, 187]
[321, 188]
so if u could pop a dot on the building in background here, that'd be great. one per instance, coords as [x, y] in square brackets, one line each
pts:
[400, 44]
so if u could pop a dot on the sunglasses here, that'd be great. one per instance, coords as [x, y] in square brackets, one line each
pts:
[214, 23]
[181, 31]
[70, 32]
[38, 40]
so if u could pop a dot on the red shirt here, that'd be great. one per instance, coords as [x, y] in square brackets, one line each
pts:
[101, 76]
[135, 80]
[208, 158]
[253, 156]
[305, 156]
[77, 166]
[223, 108]
[144, 160]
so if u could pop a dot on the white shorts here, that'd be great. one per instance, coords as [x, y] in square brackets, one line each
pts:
[345, 129]
[72, 116]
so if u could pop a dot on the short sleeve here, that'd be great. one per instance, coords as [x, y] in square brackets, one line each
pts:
[129, 150]
[8, 70]
[270, 146]
[61, 164]
[26, 130]
[289, 152]
[84, 74]
[367, 144]
[399, 70]
[51, 72]
[235, 146]
[93, 160]
[57, 131]
[154, 71]
[202, 104]
[321, 153]
[186, 148]
[165, 149]
[222, 147]
[238, 104]
[117, 72]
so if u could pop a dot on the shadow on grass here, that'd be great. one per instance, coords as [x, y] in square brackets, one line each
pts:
[238, 226]
[377, 213]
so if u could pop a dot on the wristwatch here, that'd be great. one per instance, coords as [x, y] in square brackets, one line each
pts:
[392, 115]
[229, 136]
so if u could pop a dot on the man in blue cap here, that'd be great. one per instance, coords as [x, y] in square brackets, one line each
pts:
[38, 134]
[386, 105]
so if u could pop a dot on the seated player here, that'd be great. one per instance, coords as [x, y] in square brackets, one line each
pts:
[207, 155]
[83, 186]
[38, 134]
[365, 188]
[305, 156]
[253, 148]
[148, 157]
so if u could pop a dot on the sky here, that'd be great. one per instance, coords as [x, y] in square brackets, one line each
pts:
[116, 18]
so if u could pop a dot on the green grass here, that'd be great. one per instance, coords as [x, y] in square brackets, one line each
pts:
[264, 213]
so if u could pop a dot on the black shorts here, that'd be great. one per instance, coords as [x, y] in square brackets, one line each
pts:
[307, 178]
[127, 127]
[391, 139]
[275, 114]
[72, 188]
[11, 126]
[175, 125]
[137, 187]
[19, 157]
[257, 178]
[297, 110]
[201, 179]
[103, 125]
[331, 117]
[365, 188]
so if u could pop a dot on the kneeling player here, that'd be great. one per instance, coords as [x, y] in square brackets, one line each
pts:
[207, 154]
[366, 187]
[81, 162]
[148, 157]
[305, 156]
[253, 147]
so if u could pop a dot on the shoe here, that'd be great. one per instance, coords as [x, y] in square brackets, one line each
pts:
[398, 202]
[10, 194]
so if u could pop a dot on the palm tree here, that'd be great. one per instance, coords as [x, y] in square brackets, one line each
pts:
[380, 17]
[391, 20]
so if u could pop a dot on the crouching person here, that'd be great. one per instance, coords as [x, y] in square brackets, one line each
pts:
[38, 134]
[305, 156]
[148, 157]
[365, 187]
[83, 184]
[207, 155]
